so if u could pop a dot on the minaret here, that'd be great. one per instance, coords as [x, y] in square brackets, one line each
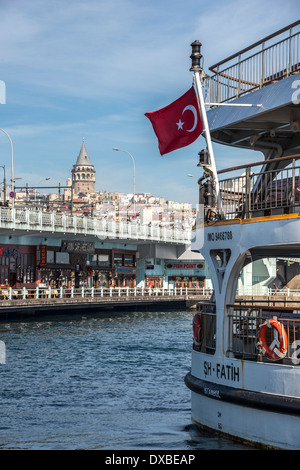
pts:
[83, 173]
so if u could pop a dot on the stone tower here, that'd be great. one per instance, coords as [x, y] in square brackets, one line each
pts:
[83, 173]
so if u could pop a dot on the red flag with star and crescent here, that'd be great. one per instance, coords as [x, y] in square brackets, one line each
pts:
[178, 124]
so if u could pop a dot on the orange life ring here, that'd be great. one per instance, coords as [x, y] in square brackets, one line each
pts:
[197, 329]
[278, 348]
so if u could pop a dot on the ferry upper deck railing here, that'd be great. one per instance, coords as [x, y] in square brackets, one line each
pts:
[261, 193]
[271, 59]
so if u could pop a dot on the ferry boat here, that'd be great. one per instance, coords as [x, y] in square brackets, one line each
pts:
[245, 371]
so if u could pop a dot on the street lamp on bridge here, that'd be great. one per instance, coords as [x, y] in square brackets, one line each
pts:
[119, 150]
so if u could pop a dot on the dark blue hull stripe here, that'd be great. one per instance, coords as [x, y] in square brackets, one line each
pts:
[248, 398]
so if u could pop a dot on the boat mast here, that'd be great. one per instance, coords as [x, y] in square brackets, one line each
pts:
[208, 165]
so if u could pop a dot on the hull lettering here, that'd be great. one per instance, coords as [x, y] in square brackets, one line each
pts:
[222, 371]
[214, 237]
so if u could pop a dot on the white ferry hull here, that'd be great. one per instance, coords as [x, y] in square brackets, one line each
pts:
[254, 426]
[258, 403]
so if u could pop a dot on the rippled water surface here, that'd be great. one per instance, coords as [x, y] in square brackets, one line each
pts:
[113, 381]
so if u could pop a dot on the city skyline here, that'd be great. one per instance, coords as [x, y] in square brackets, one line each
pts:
[45, 189]
[95, 69]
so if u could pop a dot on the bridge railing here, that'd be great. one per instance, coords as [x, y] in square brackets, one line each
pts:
[26, 219]
[12, 293]
[275, 57]
[99, 293]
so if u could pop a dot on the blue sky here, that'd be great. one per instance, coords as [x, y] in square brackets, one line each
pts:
[93, 68]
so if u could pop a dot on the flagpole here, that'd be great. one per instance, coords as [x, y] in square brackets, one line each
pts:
[198, 76]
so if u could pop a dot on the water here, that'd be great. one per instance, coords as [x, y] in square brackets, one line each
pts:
[113, 381]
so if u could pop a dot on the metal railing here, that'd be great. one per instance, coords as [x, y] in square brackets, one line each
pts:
[99, 293]
[245, 322]
[27, 219]
[11, 293]
[268, 60]
[261, 193]
[261, 290]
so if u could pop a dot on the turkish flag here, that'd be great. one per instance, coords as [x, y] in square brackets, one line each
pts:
[178, 124]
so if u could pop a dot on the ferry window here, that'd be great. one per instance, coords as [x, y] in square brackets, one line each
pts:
[118, 259]
[128, 260]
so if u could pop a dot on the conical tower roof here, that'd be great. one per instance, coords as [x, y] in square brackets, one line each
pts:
[83, 158]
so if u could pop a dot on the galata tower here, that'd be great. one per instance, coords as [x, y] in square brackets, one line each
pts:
[83, 173]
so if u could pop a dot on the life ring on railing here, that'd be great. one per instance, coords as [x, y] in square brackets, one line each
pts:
[278, 347]
[197, 330]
